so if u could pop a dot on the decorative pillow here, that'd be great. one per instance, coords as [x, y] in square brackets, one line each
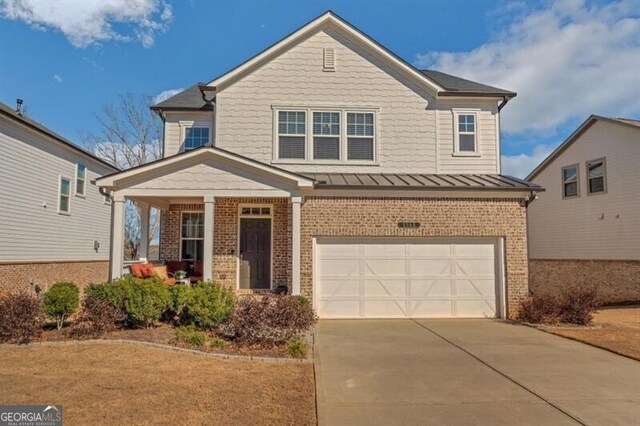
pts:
[197, 268]
[137, 270]
[147, 270]
[161, 272]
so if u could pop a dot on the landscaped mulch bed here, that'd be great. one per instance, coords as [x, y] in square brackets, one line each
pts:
[165, 334]
[615, 328]
[132, 384]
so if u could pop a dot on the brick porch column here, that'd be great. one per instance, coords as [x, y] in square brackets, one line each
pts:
[117, 237]
[296, 202]
[207, 255]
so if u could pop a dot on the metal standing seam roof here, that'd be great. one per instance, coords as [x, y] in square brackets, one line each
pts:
[420, 181]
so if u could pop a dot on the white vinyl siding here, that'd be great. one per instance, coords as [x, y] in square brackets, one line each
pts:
[81, 179]
[30, 198]
[603, 226]
[175, 125]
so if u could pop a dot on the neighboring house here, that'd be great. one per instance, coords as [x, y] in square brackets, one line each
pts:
[329, 165]
[585, 229]
[54, 222]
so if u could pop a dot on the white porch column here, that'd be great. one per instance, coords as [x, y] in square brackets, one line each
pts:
[117, 237]
[207, 256]
[296, 202]
[144, 231]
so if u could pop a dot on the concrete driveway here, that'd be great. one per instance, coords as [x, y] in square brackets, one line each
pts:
[462, 372]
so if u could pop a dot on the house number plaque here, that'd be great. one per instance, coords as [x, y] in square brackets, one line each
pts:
[408, 225]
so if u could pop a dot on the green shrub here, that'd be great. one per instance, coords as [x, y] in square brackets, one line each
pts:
[218, 343]
[60, 301]
[268, 318]
[297, 348]
[190, 336]
[145, 301]
[180, 295]
[207, 305]
[21, 318]
[109, 292]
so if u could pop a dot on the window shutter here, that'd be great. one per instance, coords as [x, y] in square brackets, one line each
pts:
[329, 59]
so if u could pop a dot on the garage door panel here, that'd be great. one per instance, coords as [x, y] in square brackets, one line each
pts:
[385, 287]
[360, 279]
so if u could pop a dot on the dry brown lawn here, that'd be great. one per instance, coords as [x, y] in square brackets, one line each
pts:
[127, 384]
[616, 329]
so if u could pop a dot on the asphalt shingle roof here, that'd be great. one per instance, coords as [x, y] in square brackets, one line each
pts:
[454, 84]
[190, 99]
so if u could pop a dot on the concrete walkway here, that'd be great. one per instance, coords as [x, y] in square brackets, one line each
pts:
[467, 372]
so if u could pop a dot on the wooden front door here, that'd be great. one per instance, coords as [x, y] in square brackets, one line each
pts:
[255, 253]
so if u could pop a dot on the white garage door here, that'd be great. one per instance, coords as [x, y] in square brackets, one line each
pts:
[404, 279]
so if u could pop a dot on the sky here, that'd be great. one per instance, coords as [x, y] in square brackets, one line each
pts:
[566, 59]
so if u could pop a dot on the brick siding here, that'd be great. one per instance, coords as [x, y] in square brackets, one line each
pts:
[16, 277]
[617, 280]
[225, 237]
[368, 217]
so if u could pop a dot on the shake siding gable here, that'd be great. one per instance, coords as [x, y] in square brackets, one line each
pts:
[177, 122]
[31, 228]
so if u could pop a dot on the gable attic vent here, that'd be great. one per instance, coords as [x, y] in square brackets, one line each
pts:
[329, 63]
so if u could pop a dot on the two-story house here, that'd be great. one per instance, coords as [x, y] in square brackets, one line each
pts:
[329, 165]
[585, 229]
[54, 223]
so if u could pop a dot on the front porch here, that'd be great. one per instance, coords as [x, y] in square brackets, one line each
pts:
[240, 218]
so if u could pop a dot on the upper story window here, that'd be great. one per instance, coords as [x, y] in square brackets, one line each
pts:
[292, 134]
[360, 134]
[64, 195]
[570, 181]
[327, 136]
[81, 179]
[195, 137]
[466, 130]
[597, 176]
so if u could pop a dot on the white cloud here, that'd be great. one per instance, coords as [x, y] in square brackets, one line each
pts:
[521, 165]
[165, 95]
[86, 23]
[57, 78]
[566, 62]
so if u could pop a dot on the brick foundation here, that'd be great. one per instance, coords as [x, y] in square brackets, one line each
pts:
[617, 280]
[225, 237]
[16, 277]
[368, 217]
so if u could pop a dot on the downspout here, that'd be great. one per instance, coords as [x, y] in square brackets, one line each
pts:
[212, 102]
[504, 102]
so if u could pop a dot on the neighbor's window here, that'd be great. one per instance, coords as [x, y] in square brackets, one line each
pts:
[64, 202]
[81, 179]
[360, 135]
[326, 135]
[466, 133]
[195, 137]
[192, 236]
[570, 181]
[597, 176]
[291, 134]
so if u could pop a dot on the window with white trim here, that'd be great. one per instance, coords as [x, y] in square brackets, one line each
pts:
[466, 131]
[192, 236]
[570, 181]
[81, 179]
[64, 195]
[360, 136]
[195, 137]
[326, 135]
[292, 131]
[597, 176]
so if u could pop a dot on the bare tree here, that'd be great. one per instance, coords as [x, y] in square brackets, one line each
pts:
[129, 136]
